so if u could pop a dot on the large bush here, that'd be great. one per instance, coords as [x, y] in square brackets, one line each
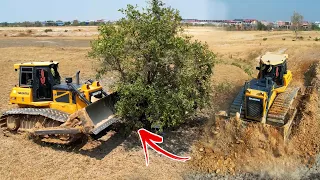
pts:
[164, 74]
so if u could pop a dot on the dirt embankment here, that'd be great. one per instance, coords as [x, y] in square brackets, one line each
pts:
[229, 147]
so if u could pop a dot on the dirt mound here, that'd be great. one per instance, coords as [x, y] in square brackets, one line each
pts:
[232, 147]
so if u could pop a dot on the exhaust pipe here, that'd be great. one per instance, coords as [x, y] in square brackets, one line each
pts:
[78, 77]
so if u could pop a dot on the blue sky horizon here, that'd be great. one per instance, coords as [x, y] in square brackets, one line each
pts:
[68, 10]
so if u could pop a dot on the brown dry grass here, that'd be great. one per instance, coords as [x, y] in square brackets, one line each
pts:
[69, 31]
[23, 159]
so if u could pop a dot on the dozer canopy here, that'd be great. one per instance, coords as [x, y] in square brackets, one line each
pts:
[274, 66]
[273, 59]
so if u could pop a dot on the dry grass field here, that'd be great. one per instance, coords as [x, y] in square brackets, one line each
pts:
[117, 158]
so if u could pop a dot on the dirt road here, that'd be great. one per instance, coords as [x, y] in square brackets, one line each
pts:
[43, 42]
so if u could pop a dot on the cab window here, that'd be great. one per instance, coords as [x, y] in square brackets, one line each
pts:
[26, 76]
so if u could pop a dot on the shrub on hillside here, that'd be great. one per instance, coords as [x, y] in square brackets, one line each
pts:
[300, 37]
[48, 30]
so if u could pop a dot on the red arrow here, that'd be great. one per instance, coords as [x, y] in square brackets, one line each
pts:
[148, 138]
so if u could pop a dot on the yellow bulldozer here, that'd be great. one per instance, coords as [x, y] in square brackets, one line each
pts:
[269, 98]
[57, 112]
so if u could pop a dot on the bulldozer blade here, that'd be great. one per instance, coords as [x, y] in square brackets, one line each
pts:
[102, 113]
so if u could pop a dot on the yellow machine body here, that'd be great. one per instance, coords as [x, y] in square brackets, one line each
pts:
[255, 100]
[268, 101]
[270, 98]
[59, 113]
[23, 96]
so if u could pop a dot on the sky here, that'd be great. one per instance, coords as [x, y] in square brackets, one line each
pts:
[271, 10]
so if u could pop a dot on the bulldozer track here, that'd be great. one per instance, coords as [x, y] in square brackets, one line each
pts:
[28, 119]
[283, 107]
[45, 112]
[238, 105]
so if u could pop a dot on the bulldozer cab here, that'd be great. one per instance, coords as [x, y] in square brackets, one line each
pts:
[273, 66]
[40, 77]
[40, 85]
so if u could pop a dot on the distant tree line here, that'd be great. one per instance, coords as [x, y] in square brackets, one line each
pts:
[315, 27]
[258, 27]
[51, 23]
[296, 24]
